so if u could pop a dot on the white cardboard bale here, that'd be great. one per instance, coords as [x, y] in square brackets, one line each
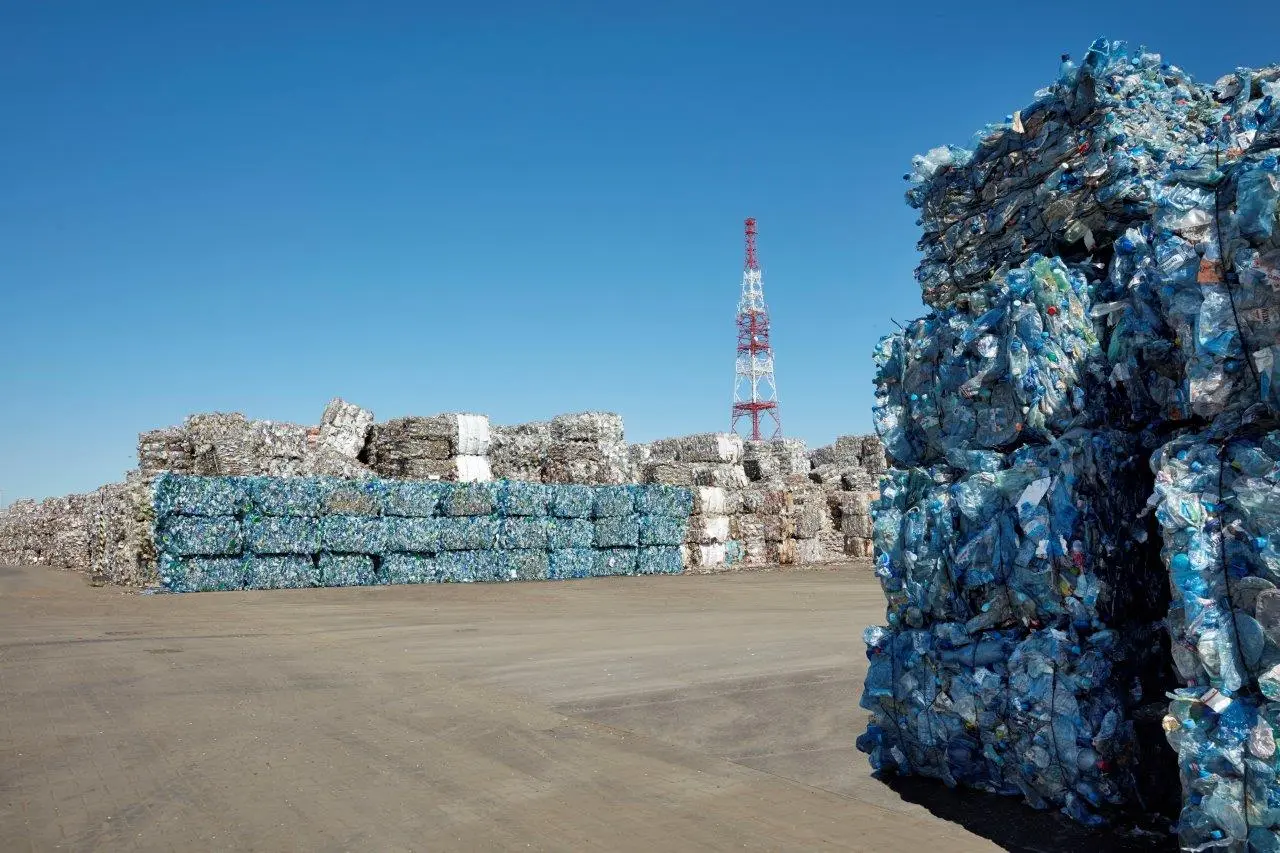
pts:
[473, 435]
[473, 469]
[715, 528]
[711, 555]
[710, 500]
[722, 447]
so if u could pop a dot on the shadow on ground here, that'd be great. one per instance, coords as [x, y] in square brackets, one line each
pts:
[1008, 822]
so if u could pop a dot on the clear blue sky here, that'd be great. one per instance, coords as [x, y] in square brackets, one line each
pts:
[517, 208]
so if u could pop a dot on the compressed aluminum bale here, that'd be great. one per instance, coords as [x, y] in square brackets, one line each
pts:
[664, 500]
[472, 469]
[202, 574]
[468, 533]
[407, 568]
[710, 500]
[663, 560]
[566, 563]
[761, 469]
[809, 521]
[516, 498]
[662, 530]
[669, 473]
[858, 481]
[410, 535]
[344, 429]
[470, 499]
[593, 427]
[167, 449]
[413, 499]
[845, 452]
[568, 501]
[326, 462]
[746, 526]
[178, 494]
[718, 447]
[873, 456]
[225, 444]
[121, 535]
[190, 536]
[603, 471]
[731, 477]
[524, 533]
[570, 533]
[283, 572]
[617, 532]
[353, 534]
[613, 561]
[406, 447]
[614, 502]
[278, 496]
[280, 448]
[470, 566]
[280, 535]
[350, 497]
[347, 570]
[524, 565]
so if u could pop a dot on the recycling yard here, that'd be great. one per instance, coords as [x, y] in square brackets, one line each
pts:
[615, 713]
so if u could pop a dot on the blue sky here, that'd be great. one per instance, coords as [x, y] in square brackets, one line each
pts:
[517, 208]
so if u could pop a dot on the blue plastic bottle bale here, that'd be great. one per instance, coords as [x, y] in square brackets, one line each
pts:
[468, 533]
[524, 533]
[285, 496]
[613, 561]
[412, 498]
[570, 533]
[350, 497]
[521, 499]
[469, 566]
[470, 499]
[404, 535]
[524, 565]
[347, 570]
[407, 569]
[659, 560]
[656, 499]
[572, 501]
[614, 501]
[283, 572]
[188, 536]
[353, 534]
[202, 574]
[274, 534]
[617, 532]
[565, 563]
[662, 530]
[185, 494]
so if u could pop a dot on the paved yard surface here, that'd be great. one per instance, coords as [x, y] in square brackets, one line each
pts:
[654, 714]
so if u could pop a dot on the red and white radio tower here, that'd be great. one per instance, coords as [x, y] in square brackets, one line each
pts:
[755, 392]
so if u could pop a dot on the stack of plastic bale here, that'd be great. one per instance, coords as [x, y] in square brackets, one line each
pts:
[19, 543]
[166, 449]
[663, 517]
[777, 462]
[707, 537]
[848, 471]
[451, 446]
[198, 533]
[1217, 499]
[519, 451]
[587, 448]
[121, 548]
[69, 532]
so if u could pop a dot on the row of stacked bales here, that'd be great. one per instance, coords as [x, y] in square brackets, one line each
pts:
[227, 533]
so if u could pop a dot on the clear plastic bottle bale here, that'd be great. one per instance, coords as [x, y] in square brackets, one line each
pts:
[272, 534]
[347, 570]
[470, 566]
[282, 572]
[350, 497]
[614, 502]
[565, 563]
[470, 499]
[662, 530]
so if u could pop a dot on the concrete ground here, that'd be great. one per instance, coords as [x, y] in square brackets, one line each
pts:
[648, 713]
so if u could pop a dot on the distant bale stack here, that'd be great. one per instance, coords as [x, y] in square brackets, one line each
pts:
[453, 446]
[587, 448]
[518, 452]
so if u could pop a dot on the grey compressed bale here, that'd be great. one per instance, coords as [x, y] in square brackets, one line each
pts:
[567, 563]
[572, 501]
[353, 534]
[347, 570]
[223, 444]
[596, 427]
[662, 530]
[614, 502]
[669, 473]
[809, 521]
[570, 533]
[722, 447]
[165, 450]
[193, 536]
[344, 428]
[412, 499]
[662, 560]
[279, 535]
[403, 535]
[350, 497]
[202, 574]
[469, 566]
[180, 494]
[468, 533]
[617, 532]
[284, 496]
[470, 499]
[407, 568]
[523, 533]
[517, 498]
[670, 501]
[524, 565]
[613, 561]
[281, 573]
